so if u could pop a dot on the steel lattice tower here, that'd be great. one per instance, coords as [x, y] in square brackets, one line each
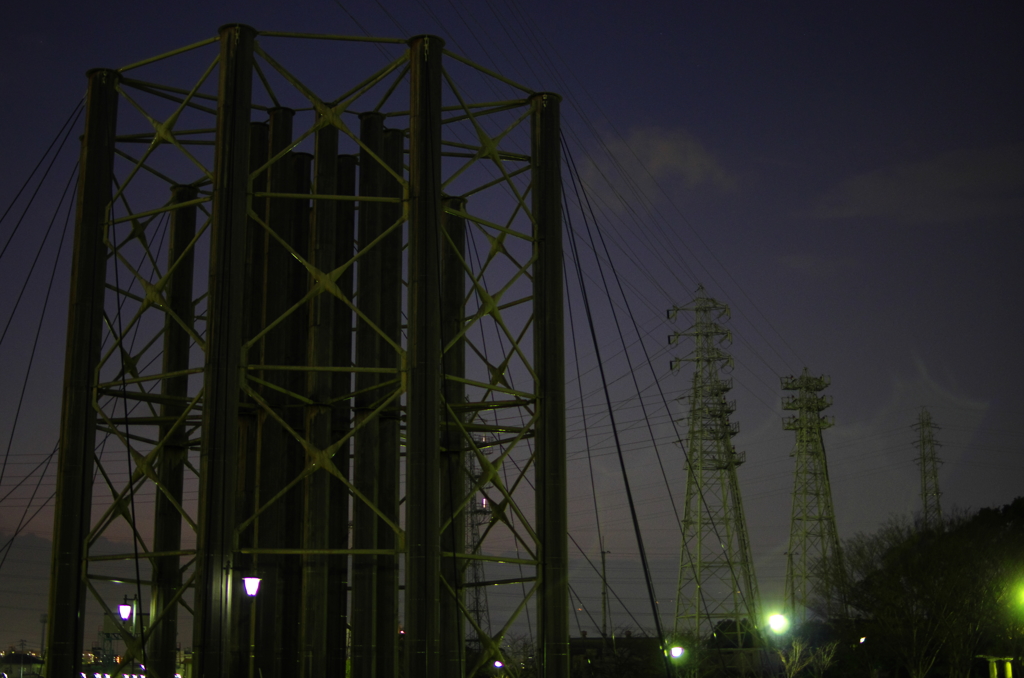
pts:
[929, 462]
[813, 540]
[716, 573]
[280, 302]
[478, 514]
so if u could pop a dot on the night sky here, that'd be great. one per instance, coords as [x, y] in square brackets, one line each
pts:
[848, 177]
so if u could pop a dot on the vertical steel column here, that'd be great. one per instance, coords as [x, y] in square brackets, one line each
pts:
[73, 507]
[389, 424]
[323, 250]
[341, 388]
[162, 651]
[276, 627]
[549, 363]
[216, 586]
[297, 343]
[422, 509]
[453, 445]
[248, 419]
[367, 438]
[259, 149]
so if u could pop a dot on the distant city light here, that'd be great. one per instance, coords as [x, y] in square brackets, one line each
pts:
[498, 664]
[107, 675]
[676, 652]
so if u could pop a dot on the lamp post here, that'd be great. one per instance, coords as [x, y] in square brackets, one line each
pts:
[42, 641]
[778, 624]
[251, 582]
[128, 610]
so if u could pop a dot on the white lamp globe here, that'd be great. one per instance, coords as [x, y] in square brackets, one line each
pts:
[252, 585]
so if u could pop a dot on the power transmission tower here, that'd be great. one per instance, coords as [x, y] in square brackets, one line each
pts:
[929, 462]
[478, 514]
[813, 541]
[716, 573]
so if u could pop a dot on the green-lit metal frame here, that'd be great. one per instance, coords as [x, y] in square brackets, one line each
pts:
[716, 572]
[123, 385]
[813, 540]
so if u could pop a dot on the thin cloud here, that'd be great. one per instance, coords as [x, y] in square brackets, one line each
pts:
[966, 185]
[668, 157]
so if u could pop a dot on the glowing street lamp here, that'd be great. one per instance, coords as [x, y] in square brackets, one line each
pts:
[778, 624]
[127, 611]
[252, 585]
[676, 651]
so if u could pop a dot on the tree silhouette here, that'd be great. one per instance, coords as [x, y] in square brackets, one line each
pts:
[940, 594]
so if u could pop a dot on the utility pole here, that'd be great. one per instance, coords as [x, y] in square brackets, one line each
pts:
[812, 533]
[604, 592]
[716, 572]
[928, 460]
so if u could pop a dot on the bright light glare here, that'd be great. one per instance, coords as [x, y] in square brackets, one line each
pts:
[498, 664]
[125, 610]
[676, 652]
[863, 639]
[778, 623]
[252, 585]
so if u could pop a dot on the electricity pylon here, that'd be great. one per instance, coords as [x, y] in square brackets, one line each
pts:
[478, 514]
[813, 541]
[929, 462]
[716, 573]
